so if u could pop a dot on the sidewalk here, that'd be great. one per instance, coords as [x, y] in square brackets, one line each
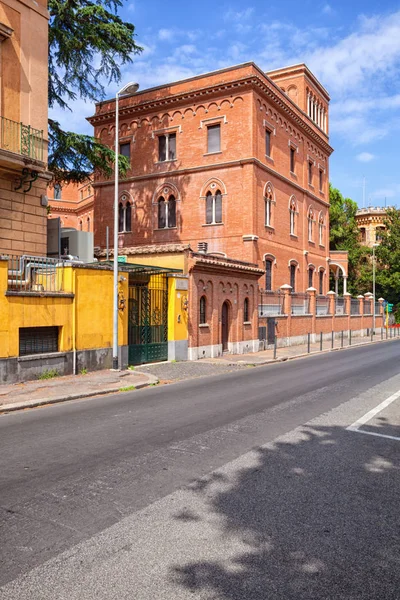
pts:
[60, 389]
[71, 387]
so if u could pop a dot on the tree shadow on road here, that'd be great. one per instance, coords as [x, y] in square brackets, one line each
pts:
[316, 517]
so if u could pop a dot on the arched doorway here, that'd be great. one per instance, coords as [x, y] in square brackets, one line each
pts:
[225, 325]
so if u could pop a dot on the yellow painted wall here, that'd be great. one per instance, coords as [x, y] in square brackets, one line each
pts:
[93, 306]
[167, 260]
[177, 315]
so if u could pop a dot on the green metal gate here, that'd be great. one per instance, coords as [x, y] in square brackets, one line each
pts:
[148, 318]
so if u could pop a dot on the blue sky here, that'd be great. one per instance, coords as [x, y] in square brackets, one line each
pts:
[353, 47]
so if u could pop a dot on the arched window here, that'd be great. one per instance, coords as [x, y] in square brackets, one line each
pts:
[268, 199]
[128, 216]
[124, 215]
[203, 304]
[321, 229]
[293, 268]
[246, 312]
[88, 223]
[310, 276]
[166, 212]
[213, 208]
[80, 225]
[321, 282]
[310, 224]
[171, 213]
[292, 216]
[121, 217]
[268, 274]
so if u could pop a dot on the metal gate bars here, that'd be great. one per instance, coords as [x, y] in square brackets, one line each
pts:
[148, 318]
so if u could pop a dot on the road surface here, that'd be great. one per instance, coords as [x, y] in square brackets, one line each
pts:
[236, 487]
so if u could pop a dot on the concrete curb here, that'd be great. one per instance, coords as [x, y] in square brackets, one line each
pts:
[7, 408]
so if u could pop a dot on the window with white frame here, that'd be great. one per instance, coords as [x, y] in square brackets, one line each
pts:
[167, 147]
[166, 212]
[321, 229]
[292, 216]
[213, 138]
[310, 224]
[124, 215]
[213, 208]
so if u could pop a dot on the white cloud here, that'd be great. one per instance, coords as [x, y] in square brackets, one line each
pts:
[365, 157]
[239, 16]
[165, 34]
[327, 9]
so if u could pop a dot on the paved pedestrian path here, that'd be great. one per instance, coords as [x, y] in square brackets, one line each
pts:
[71, 387]
[58, 389]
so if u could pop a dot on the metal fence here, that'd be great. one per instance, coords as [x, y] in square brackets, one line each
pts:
[270, 304]
[300, 304]
[377, 308]
[35, 274]
[339, 306]
[21, 139]
[322, 304]
[354, 306]
[367, 307]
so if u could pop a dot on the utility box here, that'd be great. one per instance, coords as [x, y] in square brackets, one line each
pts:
[78, 244]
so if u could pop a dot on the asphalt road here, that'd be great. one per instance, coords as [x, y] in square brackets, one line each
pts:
[210, 488]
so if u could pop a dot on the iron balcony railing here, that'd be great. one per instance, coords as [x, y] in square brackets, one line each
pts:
[322, 305]
[271, 304]
[21, 139]
[35, 274]
[300, 304]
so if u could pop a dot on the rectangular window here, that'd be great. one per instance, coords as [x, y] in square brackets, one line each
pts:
[321, 179]
[267, 142]
[321, 282]
[167, 147]
[38, 340]
[213, 138]
[125, 150]
[310, 166]
[292, 153]
[57, 192]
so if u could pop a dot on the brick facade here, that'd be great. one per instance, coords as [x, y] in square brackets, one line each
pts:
[245, 103]
[73, 204]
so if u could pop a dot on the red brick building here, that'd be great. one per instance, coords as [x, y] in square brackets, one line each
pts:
[238, 159]
[73, 203]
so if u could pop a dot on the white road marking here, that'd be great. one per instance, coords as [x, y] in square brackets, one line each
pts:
[372, 413]
[389, 437]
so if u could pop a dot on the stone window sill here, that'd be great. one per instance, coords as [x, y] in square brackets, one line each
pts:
[202, 325]
[169, 160]
[293, 174]
[164, 228]
[293, 235]
[212, 153]
[269, 227]
[246, 322]
[269, 159]
[211, 224]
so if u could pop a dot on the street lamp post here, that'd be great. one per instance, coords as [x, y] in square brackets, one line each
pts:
[373, 285]
[127, 90]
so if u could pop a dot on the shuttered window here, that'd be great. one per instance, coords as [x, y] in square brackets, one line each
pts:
[38, 340]
[214, 138]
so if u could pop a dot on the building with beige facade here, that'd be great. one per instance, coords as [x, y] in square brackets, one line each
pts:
[370, 222]
[23, 126]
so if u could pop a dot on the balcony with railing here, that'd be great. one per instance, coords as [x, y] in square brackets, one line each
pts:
[21, 139]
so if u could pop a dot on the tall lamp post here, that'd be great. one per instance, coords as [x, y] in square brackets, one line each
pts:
[373, 285]
[127, 90]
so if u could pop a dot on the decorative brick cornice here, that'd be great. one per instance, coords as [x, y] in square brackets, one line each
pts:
[257, 81]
